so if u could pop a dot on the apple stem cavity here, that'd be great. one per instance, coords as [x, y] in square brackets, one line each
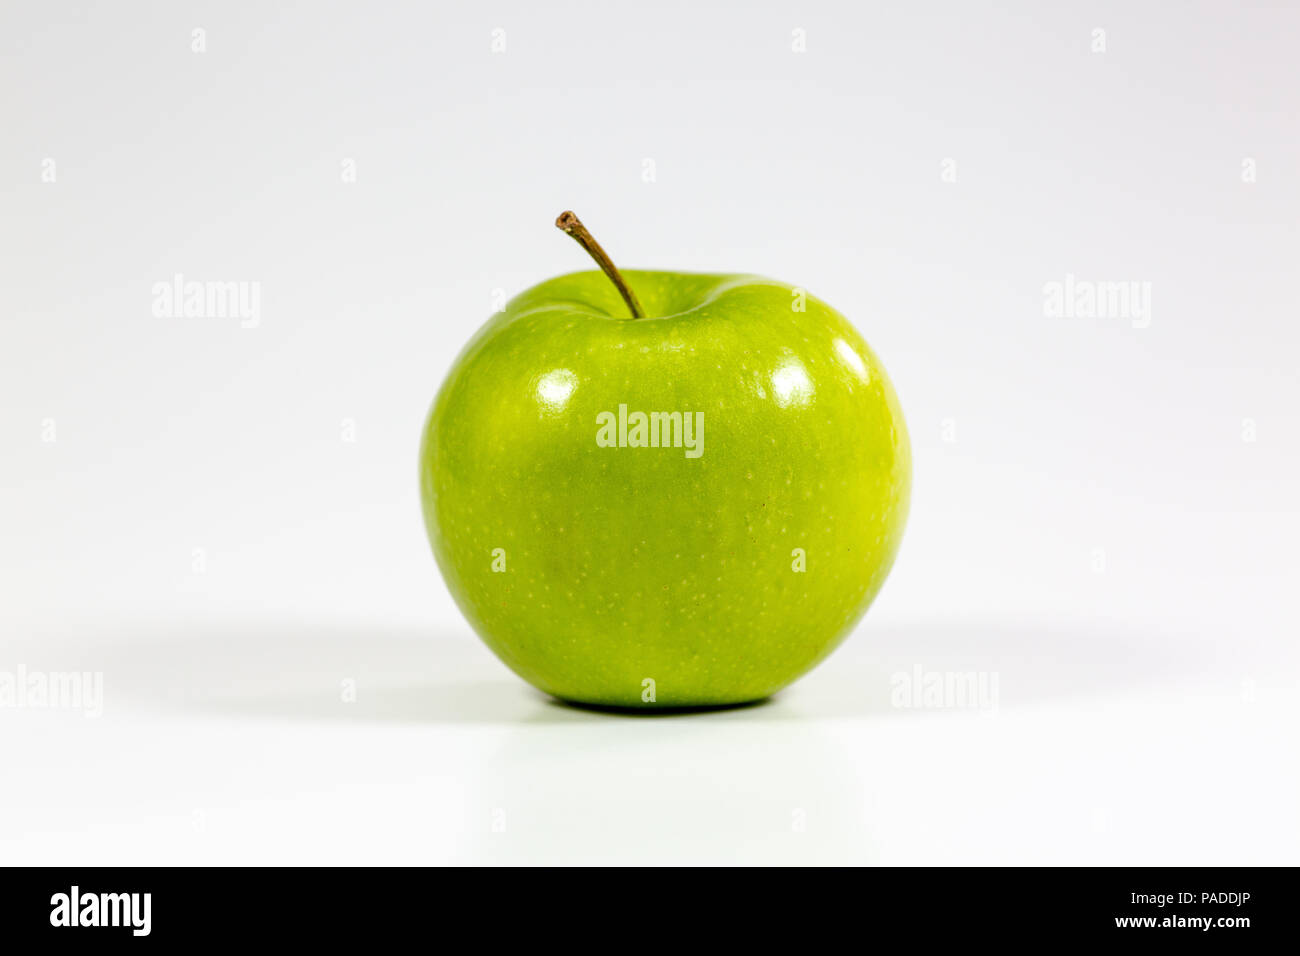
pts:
[569, 223]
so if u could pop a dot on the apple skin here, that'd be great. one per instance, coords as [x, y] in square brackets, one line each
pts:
[630, 565]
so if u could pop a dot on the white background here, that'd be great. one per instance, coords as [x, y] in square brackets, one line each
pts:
[1104, 515]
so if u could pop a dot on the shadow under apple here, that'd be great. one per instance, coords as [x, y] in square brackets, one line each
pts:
[418, 675]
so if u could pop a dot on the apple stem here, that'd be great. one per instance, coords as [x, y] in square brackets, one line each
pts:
[569, 223]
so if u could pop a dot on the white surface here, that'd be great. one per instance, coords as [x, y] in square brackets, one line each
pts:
[1089, 526]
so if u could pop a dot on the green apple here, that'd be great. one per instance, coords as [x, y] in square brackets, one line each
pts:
[665, 490]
